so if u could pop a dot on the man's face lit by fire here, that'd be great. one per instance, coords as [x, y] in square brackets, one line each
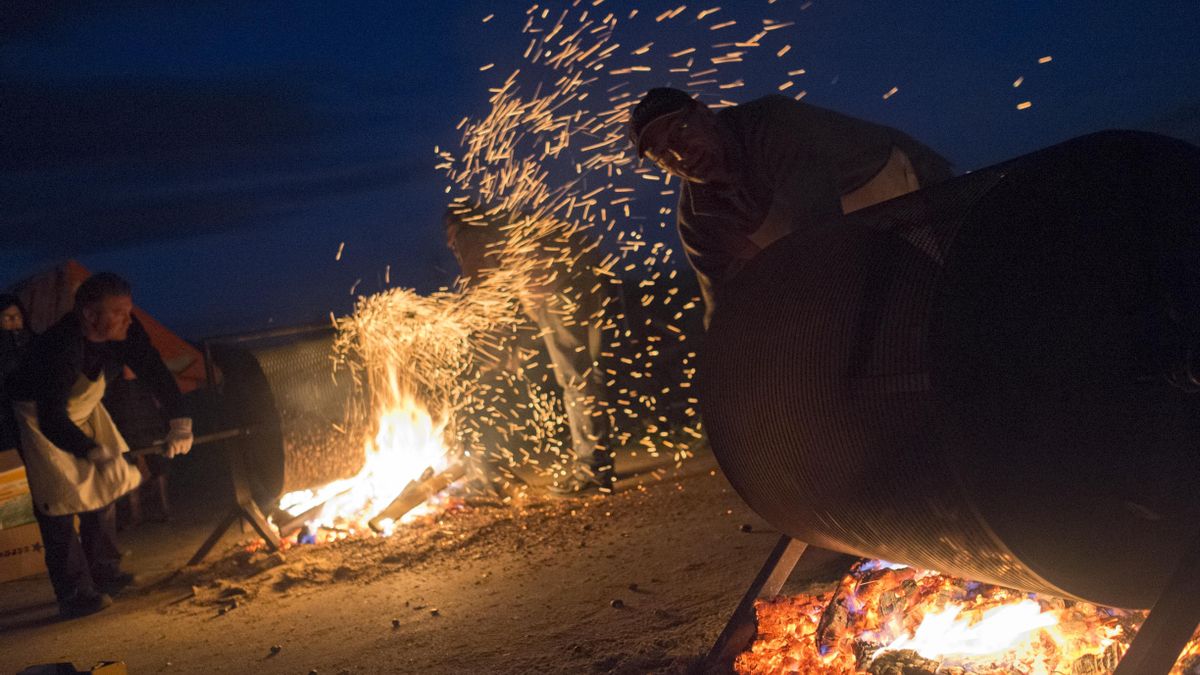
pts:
[688, 144]
[11, 319]
[108, 318]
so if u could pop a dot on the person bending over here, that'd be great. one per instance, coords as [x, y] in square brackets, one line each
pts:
[71, 448]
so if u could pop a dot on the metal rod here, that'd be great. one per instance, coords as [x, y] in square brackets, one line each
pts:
[210, 369]
[286, 331]
[244, 509]
[228, 519]
[156, 447]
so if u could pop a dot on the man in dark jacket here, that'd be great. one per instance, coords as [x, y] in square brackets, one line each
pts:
[71, 448]
[755, 172]
[14, 340]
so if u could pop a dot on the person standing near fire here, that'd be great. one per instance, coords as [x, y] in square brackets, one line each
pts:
[753, 173]
[565, 299]
[71, 448]
[14, 341]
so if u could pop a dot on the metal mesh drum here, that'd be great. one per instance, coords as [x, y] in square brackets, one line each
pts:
[973, 378]
[306, 420]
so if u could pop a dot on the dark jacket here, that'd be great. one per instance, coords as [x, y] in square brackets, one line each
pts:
[59, 356]
[13, 345]
[791, 157]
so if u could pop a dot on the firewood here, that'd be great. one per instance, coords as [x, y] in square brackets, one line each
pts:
[834, 621]
[903, 662]
[1098, 664]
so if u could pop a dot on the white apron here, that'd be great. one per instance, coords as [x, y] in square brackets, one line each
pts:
[61, 483]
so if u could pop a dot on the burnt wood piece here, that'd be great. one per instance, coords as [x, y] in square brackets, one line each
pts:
[903, 662]
[739, 633]
[1171, 623]
[417, 492]
[832, 626]
[1098, 664]
[837, 617]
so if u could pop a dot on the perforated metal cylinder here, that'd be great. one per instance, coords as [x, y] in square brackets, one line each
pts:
[284, 387]
[973, 378]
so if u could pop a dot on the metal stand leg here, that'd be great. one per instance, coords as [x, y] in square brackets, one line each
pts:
[244, 509]
[229, 519]
[743, 625]
[1171, 623]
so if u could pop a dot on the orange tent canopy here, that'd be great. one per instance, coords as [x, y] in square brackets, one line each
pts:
[48, 296]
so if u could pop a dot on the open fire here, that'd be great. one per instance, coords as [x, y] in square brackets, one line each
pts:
[407, 442]
[892, 620]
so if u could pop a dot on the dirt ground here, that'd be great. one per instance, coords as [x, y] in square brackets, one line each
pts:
[639, 581]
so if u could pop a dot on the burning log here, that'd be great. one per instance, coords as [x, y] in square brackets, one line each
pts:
[417, 492]
[903, 662]
[1098, 664]
[288, 523]
[834, 621]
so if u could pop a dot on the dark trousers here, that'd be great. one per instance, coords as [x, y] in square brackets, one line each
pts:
[77, 561]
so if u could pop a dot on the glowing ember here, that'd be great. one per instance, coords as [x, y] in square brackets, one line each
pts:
[408, 442]
[882, 619]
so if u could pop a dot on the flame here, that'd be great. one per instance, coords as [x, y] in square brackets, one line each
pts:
[942, 635]
[407, 442]
[888, 618]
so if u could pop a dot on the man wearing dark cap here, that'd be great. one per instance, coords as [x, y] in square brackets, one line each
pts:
[755, 172]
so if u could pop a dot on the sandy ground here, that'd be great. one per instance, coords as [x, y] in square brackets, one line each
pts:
[487, 587]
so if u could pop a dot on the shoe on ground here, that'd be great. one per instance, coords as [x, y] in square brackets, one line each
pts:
[83, 604]
[579, 485]
[116, 583]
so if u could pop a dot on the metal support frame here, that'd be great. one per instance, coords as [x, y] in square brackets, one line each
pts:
[1171, 623]
[743, 625]
[244, 509]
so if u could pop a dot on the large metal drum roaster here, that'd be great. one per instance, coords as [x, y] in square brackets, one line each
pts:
[306, 419]
[974, 378]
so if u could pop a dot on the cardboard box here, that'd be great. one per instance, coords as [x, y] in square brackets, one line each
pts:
[16, 506]
[20, 541]
[21, 552]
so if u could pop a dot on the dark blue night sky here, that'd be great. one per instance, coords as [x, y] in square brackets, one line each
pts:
[217, 153]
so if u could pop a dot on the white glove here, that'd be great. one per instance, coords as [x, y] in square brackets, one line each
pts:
[179, 438]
